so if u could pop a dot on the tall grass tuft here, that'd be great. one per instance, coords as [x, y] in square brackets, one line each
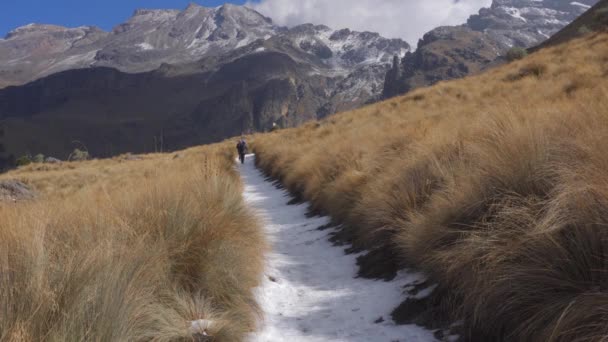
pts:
[103, 260]
[494, 185]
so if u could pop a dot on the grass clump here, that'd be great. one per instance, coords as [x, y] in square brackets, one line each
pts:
[24, 160]
[528, 70]
[516, 53]
[116, 251]
[79, 155]
[499, 196]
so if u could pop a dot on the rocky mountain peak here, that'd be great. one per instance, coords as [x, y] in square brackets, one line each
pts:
[44, 29]
[457, 51]
[143, 14]
[242, 16]
[151, 38]
[525, 23]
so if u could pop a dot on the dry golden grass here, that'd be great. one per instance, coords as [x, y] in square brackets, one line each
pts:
[130, 250]
[494, 185]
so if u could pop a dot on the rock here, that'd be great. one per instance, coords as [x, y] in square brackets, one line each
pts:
[14, 191]
[51, 160]
[131, 157]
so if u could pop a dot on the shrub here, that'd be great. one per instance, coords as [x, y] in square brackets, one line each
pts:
[516, 53]
[39, 158]
[532, 69]
[79, 155]
[24, 160]
[583, 30]
[131, 252]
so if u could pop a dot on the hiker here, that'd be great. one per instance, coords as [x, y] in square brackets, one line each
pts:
[241, 147]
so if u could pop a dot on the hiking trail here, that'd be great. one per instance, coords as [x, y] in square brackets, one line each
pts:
[309, 292]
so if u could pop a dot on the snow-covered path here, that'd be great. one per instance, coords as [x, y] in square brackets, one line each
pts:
[309, 291]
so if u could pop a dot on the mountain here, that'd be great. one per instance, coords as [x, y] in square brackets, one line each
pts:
[193, 76]
[456, 51]
[148, 39]
[595, 19]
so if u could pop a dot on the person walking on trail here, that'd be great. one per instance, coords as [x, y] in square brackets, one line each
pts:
[241, 147]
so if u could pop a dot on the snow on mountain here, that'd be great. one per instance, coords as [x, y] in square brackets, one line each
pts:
[526, 23]
[457, 51]
[153, 37]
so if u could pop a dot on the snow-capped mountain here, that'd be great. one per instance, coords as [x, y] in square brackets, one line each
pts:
[457, 51]
[151, 38]
[198, 75]
[526, 23]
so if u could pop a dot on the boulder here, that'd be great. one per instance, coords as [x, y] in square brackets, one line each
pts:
[14, 190]
[51, 160]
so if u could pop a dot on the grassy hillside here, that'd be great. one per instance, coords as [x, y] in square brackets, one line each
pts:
[494, 185]
[130, 250]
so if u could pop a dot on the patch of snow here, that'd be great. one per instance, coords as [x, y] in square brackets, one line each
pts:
[260, 49]
[574, 3]
[309, 292]
[154, 15]
[71, 62]
[515, 13]
[145, 46]
[543, 34]
[200, 327]
[243, 42]
[426, 292]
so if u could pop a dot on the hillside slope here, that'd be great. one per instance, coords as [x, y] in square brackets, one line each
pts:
[136, 248]
[493, 185]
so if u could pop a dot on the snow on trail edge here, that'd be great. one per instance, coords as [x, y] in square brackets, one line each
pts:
[309, 292]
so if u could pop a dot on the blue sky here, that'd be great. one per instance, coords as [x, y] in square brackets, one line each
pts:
[73, 13]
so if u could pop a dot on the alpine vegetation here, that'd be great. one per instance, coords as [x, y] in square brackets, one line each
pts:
[136, 248]
[493, 185]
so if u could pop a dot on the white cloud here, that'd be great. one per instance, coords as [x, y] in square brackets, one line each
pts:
[407, 19]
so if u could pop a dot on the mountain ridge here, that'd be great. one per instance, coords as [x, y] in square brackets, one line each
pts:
[250, 75]
[153, 37]
[458, 51]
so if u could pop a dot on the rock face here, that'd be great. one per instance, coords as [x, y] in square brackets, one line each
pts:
[151, 38]
[14, 191]
[171, 79]
[525, 23]
[457, 51]
[444, 53]
[595, 19]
